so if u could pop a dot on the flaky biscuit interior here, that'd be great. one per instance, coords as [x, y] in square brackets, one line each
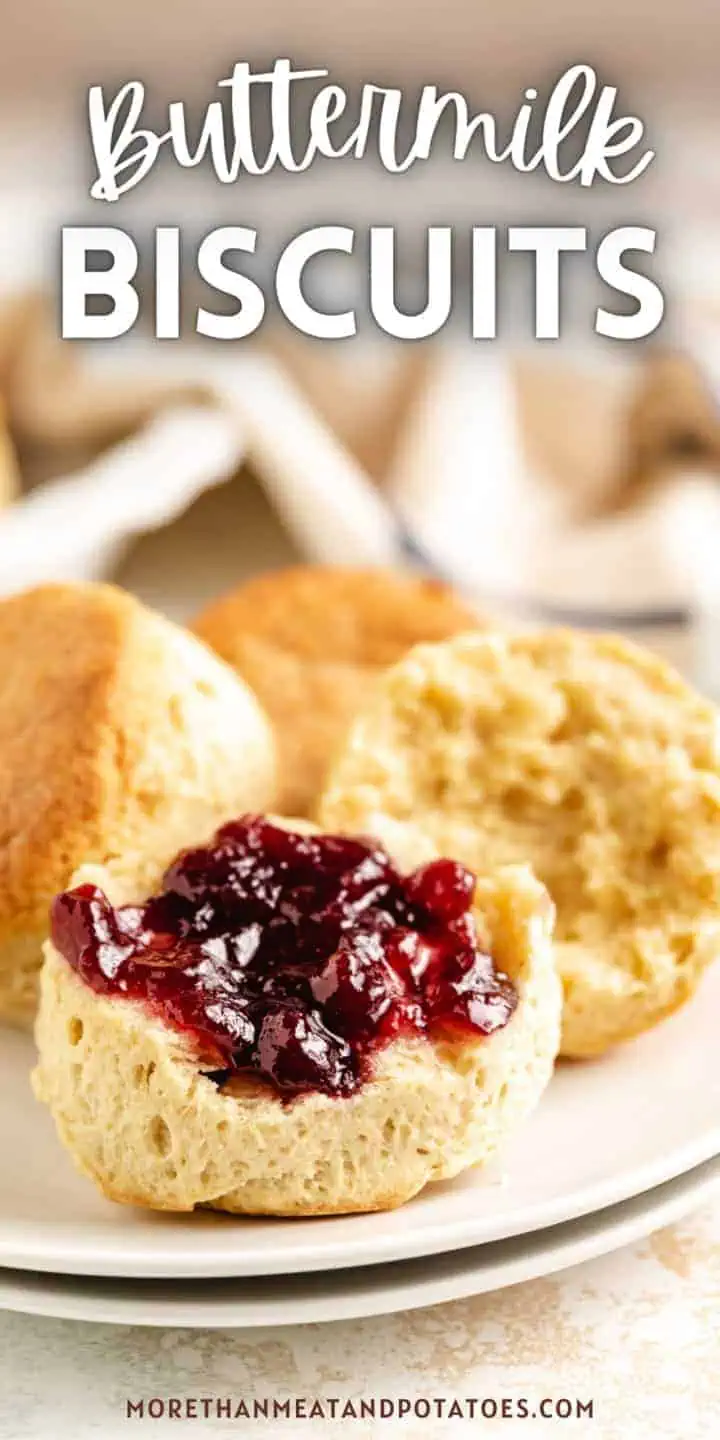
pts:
[587, 758]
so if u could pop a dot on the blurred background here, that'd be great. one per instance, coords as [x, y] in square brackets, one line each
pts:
[573, 480]
[655, 45]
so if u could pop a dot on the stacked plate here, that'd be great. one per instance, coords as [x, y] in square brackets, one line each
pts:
[617, 1149]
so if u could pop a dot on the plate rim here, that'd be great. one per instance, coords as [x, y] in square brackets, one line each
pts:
[540, 1186]
[549, 1250]
[48, 1254]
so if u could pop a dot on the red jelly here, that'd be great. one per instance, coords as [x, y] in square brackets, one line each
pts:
[292, 957]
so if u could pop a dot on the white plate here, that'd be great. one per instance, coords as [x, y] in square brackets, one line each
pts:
[353, 1294]
[605, 1131]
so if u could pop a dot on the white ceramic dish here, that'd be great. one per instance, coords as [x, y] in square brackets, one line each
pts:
[353, 1294]
[604, 1132]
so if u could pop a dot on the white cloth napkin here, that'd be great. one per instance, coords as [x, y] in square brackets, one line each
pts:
[75, 528]
[464, 484]
[461, 499]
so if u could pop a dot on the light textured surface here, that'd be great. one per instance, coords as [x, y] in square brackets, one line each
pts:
[637, 1332]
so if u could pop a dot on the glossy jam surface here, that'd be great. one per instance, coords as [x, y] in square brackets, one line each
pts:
[292, 957]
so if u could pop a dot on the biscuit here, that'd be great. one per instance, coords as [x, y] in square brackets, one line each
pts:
[310, 640]
[120, 737]
[139, 1117]
[582, 755]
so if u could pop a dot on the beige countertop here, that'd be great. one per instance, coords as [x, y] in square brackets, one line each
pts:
[636, 1332]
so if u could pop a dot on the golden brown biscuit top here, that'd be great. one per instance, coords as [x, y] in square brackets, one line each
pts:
[62, 746]
[330, 614]
[113, 723]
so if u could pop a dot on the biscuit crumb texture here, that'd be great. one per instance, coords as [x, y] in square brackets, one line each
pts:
[122, 740]
[582, 755]
[310, 640]
[139, 1117]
